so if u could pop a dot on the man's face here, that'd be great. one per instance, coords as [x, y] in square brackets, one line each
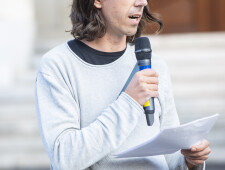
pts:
[122, 16]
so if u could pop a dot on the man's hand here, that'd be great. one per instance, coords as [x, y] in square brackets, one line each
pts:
[197, 154]
[143, 86]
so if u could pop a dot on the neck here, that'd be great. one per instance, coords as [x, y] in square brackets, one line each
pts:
[107, 43]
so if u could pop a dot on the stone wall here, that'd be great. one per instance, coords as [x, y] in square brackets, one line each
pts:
[52, 18]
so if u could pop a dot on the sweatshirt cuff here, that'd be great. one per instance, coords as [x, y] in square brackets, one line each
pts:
[132, 101]
[197, 167]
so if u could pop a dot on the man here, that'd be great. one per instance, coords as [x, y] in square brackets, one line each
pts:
[84, 116]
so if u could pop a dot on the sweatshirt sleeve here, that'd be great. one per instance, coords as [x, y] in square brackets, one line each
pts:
[169, 118]
[68, 146]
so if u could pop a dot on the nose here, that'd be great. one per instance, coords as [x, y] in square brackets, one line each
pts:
[141, 3]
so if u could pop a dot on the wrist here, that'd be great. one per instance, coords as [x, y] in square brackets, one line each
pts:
[189, 165]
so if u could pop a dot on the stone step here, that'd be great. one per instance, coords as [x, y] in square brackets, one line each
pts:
[18, 143]
[215, 133]
[193, 75]
[217, 155]
[20, 151]
[24, 94]
[22, 127]
[27, 78]
[188, 41]
[193, 109]
[21, 160]
[216, 65]
[17, 110]
[190, 52]
[199, 90]
[194, 54]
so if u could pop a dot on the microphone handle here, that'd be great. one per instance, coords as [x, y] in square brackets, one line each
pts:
[149, 109]
[149, 106]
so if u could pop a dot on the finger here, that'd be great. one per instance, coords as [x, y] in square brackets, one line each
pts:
[195, 153]
[195, 162]
[203, 145]
[151, 80]
[199, 154]
[145, 79]
[152, 87]
[205, 157]
[152, 94]
[149, 72]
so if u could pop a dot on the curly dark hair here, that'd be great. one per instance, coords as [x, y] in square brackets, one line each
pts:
[88, 22]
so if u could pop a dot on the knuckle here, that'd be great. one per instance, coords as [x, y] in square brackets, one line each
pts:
[197, 155]
[137, 75]
[183, 152]
[140, 78]
[156, 88]
[209, 151]
[156, 81]
[146, 71]
[153, 71]
[194, 162]
[146, 91]
[150, 93]
[154, 94]
[199, 162]
[142, 88]
[207, 143]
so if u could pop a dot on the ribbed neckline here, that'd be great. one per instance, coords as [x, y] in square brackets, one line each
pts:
[125, 53]
[97, 52]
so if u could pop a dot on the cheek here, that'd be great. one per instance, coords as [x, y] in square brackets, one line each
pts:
[113, 17]
[115, 13]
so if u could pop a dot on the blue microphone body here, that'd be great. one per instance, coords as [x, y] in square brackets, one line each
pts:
[143, 53]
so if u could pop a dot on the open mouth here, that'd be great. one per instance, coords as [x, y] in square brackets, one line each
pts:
[135, 17]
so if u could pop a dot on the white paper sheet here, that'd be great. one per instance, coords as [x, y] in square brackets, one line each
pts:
[173, 139]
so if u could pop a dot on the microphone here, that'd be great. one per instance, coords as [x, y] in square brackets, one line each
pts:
[143, 53]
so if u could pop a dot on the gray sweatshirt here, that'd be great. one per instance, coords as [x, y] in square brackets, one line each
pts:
[84, 119]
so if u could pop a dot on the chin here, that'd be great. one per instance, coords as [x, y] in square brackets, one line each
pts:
[131, 33]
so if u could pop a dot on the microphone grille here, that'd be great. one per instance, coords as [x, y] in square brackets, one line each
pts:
[143, 48]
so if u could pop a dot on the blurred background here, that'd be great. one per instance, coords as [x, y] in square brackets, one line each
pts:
[192, 43]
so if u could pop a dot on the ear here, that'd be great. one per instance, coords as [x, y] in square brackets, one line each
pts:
[98, 4]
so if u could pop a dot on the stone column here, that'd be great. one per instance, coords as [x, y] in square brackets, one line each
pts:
[17, 28]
